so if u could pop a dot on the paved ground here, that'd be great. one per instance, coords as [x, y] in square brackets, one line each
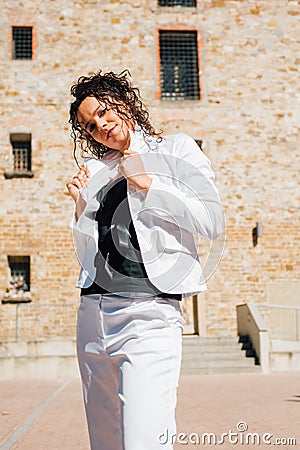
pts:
[49, 415]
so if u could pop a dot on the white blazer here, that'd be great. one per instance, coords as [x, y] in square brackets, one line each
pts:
[182, 202]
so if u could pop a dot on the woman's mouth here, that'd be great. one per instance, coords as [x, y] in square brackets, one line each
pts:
[110, 132]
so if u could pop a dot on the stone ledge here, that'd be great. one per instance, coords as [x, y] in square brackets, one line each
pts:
[9, 299]
[8, 174]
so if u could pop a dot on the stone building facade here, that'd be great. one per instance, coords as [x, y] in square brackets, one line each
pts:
[247, 117]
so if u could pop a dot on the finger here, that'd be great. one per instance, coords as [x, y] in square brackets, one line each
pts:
[81, 177]
[82, 182]
[69, 185]
[80, 172]
[84, 171]
[73, 191]
[130, 152]
[127, 157]
[76, 182]
[123, 159]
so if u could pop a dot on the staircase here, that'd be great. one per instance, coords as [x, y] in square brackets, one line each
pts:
[56, 359]
[202, 355]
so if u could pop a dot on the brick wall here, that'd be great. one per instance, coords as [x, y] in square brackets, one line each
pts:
[248, 118]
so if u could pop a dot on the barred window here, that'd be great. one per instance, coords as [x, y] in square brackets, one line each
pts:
[179, 67]
[21, 146]
[21, 42]
[176, 2]
[19, 273]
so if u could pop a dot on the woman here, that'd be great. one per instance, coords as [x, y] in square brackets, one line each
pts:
[139, 200]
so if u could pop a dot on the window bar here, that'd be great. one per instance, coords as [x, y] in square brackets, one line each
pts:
[22, 156]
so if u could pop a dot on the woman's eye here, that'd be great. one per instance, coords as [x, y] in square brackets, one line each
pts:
[102, 111]
[91, 128]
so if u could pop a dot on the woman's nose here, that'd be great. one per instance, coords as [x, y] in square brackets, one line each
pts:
[101, 123]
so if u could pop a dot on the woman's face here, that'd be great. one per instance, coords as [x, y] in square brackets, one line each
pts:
[104, 124]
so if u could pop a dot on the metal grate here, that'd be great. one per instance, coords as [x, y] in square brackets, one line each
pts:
[19, 272]
[179, 67]
[21, 145]
[22, 42]
[177, 3]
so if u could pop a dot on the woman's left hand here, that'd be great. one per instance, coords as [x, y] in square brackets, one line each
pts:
[132, 168]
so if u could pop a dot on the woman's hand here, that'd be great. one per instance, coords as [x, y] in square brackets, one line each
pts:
[132, 168]
[78, 182]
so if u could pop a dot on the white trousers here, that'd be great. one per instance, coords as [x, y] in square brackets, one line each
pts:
[129, 353]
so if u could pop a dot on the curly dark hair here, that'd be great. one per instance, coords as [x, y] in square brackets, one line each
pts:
[115, 90]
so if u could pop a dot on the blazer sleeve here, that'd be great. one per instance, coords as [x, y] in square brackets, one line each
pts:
[191, 200]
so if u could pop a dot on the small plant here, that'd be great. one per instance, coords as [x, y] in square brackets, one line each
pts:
[17, 285]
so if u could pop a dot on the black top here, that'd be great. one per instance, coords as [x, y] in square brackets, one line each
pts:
[119, 265]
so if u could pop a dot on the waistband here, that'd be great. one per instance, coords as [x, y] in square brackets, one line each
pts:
[165, 295]
[140, 294]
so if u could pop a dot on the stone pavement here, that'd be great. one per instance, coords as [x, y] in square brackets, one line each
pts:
[49, 415]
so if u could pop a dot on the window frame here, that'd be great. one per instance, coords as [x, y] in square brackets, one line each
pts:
[158, 94]
[33, 43]
[15, 296]
[23, 259]
[22, 138]
[14, 172]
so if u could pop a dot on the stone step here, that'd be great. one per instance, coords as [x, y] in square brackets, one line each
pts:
[219, 363]
[214, 370]
[212, 345]
[213, 348]
[57, 358]
[216, 355]
[209, 340]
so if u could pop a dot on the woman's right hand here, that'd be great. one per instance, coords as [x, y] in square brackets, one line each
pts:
[78, 182]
